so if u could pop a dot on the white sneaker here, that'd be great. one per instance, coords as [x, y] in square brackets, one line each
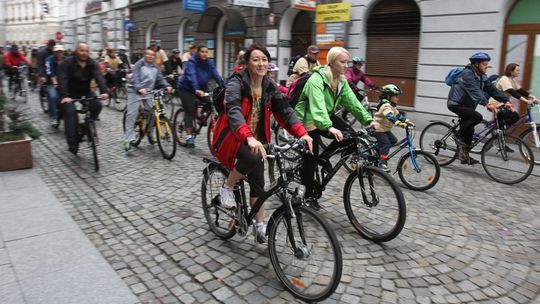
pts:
[260, 233]
[227, 197]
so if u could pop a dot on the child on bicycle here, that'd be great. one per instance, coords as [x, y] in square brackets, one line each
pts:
[386, 117]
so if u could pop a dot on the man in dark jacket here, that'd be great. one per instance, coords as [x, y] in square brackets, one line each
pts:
[465, 95]
[43, 54]
[75, 75]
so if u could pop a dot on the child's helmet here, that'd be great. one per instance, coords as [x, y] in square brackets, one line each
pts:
[391, 89]
[358, 60]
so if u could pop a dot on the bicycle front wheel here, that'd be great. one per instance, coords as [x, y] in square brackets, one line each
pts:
[179, 127]
[93, 142]
[507, 159]
[139, 128]
[165, 137]
[305, 254]
[419, 171]
[374, 204]
[120, 99]
[219, 221]
[210, 131]
[528, 136]
[436, 140]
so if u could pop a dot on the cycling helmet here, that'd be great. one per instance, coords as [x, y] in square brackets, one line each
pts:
[390, 90]
[358, 60]
[272, 67]
[479, 56]
[176, 51]
[122, 48]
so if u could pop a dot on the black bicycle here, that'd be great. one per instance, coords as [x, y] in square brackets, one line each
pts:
[506, 158]
[373, 201]
[87, 128]
[20, 82]
[205, 115]
[303, 249]
[44, 98]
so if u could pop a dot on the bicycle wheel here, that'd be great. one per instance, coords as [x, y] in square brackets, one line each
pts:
[178, 126]
[168, 104]
[139, 128]
[210, 130]
[24, 89]
[44, 100]
[305, 254]
[435, 140]
[219, 220]
[428, 172]
[507, 159]
[528, 137]
[165, 137]
[93, 142]
[374, 204]
[120, 99]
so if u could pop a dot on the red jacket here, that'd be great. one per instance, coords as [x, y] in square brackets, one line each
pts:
[12, 60]
[232, 128]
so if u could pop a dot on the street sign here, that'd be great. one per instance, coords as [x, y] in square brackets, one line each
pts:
[59, 36]
[128, 25]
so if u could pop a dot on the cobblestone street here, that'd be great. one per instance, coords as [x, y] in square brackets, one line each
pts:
[467, 240]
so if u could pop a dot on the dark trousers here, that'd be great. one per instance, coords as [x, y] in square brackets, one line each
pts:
[310, 160]
[189, 102]
[69, 112]
[469, 118]
[252, 166]
[385, 140]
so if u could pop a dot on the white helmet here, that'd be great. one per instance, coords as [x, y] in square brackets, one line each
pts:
[122, 47]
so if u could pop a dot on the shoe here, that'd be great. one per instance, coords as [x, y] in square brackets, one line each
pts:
[459, 140]
[227, 197]
[127, 146]
[54, 123]
[469, 161]
[384, 165]
[313, 203]
[259, 232]
[508, 149]
[73, 149]
[151, 139]
[190, 142]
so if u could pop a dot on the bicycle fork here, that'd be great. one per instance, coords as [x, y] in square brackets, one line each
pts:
[374, 198]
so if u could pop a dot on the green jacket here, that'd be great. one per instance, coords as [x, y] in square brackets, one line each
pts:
[322, 103]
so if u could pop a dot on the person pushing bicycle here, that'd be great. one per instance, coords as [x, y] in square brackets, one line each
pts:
[465, 95]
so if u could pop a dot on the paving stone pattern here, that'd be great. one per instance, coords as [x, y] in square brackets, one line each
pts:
[468, 240]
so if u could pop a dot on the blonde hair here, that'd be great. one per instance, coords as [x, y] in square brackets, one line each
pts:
[331, 57]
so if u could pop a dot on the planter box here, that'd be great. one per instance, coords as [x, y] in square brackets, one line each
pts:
[15, 155]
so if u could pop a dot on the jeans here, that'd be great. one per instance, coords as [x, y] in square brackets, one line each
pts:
[53, 101]
[71, 119]
[385, 141]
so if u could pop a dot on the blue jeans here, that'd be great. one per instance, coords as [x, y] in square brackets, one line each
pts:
[385, 141]
[53, 101]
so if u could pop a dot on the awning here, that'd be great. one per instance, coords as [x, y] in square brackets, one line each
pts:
[209, 20]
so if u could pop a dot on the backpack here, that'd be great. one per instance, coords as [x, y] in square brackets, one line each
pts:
[218, 94]
[452, 76]
[292, 62]
[296, 88]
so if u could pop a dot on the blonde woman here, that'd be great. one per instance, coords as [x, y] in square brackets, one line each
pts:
[324, 91]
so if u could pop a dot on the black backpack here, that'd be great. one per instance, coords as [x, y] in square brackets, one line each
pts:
[218, 94]
[292, 62]
[296, 88]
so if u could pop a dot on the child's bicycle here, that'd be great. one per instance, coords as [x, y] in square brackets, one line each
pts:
[505, 158]
[303, 248]
[417, 169]
[156, 116]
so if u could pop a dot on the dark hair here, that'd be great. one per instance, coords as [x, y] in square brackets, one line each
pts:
[510, 68]
[200, 47]
[51, 42]
[253, 47]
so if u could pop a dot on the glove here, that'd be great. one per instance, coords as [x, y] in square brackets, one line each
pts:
[491, 107]
[410, 123]
[400, 124]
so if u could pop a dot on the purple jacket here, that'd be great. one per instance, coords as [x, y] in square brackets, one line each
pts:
[353, 76]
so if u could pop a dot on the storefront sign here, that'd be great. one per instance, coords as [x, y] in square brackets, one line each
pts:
[252, 3]
[234, 33]
[308, 5]
[198, 6]
[285, 43]
[328, 40]
[210, 43]
[337, 12]
[92, 7]
[271, 37]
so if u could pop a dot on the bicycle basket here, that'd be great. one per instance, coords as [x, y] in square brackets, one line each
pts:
[534, 113]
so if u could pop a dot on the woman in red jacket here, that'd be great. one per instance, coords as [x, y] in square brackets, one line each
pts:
[245, 126]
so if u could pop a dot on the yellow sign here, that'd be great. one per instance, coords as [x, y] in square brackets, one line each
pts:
[337, 12]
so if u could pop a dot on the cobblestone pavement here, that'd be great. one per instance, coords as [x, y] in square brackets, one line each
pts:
[468, 240]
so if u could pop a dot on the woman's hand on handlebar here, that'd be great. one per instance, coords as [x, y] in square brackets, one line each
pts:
[104, 96]
[142, 92]
[309, 142]
[169, 89]
[199, 93]
[336, 133]
[256, 147]
[66, 100]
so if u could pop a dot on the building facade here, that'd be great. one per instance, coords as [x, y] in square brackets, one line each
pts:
[29, 22]
[96, 22]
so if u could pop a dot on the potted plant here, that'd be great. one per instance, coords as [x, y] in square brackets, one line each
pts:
[16, 144]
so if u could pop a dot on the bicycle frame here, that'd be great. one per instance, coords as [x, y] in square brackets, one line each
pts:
[158, 110]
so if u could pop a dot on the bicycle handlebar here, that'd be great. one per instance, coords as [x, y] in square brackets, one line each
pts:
[298, 143]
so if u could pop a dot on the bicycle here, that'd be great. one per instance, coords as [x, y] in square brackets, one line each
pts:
[304, 250]
[20, 83]
[155, 116]
[44, 98]
[87, 128]
[205, 115]
[498, 158]
[376, 208]
[118, 95]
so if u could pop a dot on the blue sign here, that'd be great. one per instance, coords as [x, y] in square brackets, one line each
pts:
[198, 6]
[128, 25]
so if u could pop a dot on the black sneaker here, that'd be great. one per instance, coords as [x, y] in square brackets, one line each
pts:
[73, 149]
[508, 149]
[470, 161]
[314, 204]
